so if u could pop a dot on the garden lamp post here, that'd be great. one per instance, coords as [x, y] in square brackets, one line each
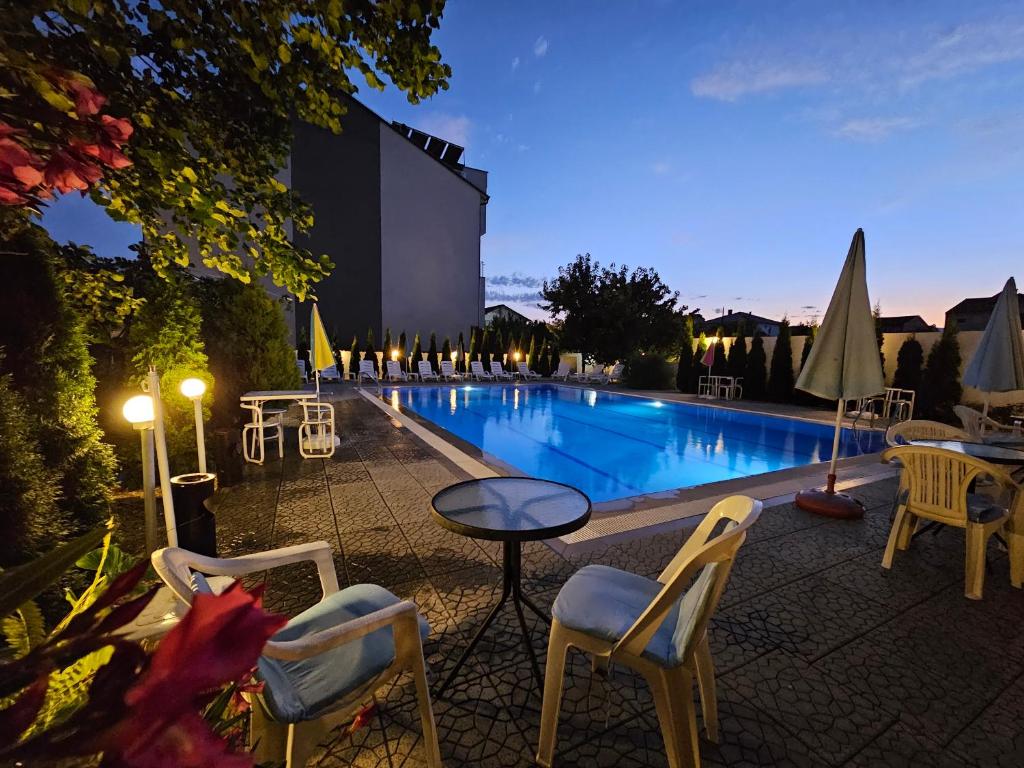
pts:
[138, 411]
[193, 389]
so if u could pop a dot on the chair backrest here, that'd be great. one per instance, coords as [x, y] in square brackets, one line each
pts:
[523, 368]
[905, 432]
[447, 368]
[616, 371]
[424, 368]
[936, 481]
[394, 369]
[316, 411]
[704, 556]
[174, 566]
[563, 370]
[496, 367]
[476, 367]
[974, 421]
[366, 368]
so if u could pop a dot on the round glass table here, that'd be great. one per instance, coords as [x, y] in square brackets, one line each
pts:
[510, 510]
[991, 452]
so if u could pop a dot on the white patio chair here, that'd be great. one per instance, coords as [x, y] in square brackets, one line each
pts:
[563, 372]
[330, 373]
[980, 426]
[316, 432]
[658, 628]
[448, 372]
[477, 372]
[704, 386]
[906, 432]
[327, 661]
[366, 371]
[498, 372]
[395, 372]
[616, 373]
[525, 372]
[426, 372]
[263, 425]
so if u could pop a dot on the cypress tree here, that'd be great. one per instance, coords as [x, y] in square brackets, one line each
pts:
[497, 348]
[808, 345]
[369, 353]
[780, 382]
[403, 351]
[876, 313]
[940, 382]
[432, 353]
[387, 348]
[542, 359]
[553, 359]
[474, 346]
[697, 367]
[909, 365]
[461, 349]
[756, 374]
[417, 355]
[531, 355]
[353, 357]
[738, 353]
[684, 371]
[720, 367]
[485, 349]
[446, 350]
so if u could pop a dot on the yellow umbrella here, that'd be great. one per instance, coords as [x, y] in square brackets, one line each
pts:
[320, 355]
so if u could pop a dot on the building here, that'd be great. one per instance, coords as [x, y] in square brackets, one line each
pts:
[752, 324]
[973, 314]
[401, 218]
[504, 313]
[905, 324]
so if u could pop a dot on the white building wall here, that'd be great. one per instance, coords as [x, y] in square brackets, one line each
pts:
[430, 244]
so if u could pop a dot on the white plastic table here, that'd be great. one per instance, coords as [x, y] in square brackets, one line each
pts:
[259, 397]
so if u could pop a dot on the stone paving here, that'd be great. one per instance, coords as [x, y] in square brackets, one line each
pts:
[823, 658]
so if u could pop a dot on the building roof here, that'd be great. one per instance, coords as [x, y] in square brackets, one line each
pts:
[897, 323]
[506, 307]
[982, 304]
[733, 317]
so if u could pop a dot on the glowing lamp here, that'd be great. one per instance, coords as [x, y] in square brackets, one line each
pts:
[139, 410]
[193, 388]
[394, 355]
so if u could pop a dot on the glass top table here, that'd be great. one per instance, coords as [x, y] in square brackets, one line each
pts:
[996, 454]
[510, 510]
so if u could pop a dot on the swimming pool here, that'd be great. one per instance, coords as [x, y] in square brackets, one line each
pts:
[613, 446]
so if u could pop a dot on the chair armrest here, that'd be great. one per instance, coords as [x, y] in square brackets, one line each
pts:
[402, 616]
[317, 551]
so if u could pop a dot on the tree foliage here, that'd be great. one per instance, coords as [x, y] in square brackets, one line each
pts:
[720, 367]
[353, 357]
[940, 383]
[755, 379]
[781, 380]
[738, 353]
[684, 370]
[607, 313]
[909, 365]
[432, 353]
[211, 90]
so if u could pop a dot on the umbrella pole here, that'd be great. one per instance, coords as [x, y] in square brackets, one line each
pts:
[827, 502]
[984, 414]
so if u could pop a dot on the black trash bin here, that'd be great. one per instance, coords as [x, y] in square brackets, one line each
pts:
[196, 524]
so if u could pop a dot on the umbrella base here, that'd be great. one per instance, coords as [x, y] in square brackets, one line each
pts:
[830, 504]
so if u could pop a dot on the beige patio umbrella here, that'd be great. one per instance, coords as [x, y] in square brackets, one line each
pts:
[844, 364]
[998, 362]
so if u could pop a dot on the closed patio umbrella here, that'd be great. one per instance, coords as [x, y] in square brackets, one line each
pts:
[844, 364]
[998, 362]
[321, 355]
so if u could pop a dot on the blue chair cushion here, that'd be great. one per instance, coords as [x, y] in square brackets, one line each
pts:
[981, 509]
[605, 602]
[296, 691]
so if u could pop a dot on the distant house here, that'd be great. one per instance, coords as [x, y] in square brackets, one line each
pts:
[905, 324]
[752, 324]
[504, 313]
[973, 314]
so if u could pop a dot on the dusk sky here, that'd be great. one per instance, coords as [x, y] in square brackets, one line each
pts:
[733, 146]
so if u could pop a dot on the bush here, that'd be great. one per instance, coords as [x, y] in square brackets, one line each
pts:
[417, 354]
[697, 367]
[650, 371]
[485, 350]
[684, 370]
[553, 359]
[909, 365]
[738, 353]
[756, 374]
[369, 353]
[432, 353]
[474, 346]
[246, 339]
[461, 349]
[780, 383]
[446, 350]
[940, 382]
[47, 358]
[353, 357]
[721, 366]
[403, 351]
[387, 348]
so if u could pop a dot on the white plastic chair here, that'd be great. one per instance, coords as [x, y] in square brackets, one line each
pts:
[426, 372]
[327, 661]
[498, 372]
[658, 628]
[395, 372]
[366, 371]
[448, 372]
[562, 372]
[525, 371]
[316, 432]
[262, 426]
[477, 372]
[980, 426]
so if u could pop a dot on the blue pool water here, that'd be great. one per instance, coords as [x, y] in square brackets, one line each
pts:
[613, 446]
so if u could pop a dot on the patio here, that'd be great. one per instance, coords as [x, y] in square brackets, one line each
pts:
[822, 657]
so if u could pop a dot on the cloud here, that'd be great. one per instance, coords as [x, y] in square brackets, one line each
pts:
[540, 48]
[515, 63]
[731, 81]
[516, 279]
[965, 48]
[453, 128]
[536, 87]
[520, 297]
[661, 167]
[874, 128]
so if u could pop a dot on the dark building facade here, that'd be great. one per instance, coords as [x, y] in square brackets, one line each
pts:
[973, 314]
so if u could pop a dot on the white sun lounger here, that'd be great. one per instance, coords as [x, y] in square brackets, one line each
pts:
[426, 372]
[498, 372]
[448, 372]
[525, 371]
[477, 372]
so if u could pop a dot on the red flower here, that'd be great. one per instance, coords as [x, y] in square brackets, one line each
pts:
[66, 171]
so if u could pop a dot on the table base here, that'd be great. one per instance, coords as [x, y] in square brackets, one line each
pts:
[511, 587]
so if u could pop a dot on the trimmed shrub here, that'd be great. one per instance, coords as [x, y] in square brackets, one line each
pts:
[497, 348]
[388, 347]
[721, 364]
[531, 354]
[738, 353]
[650, 371]
[403, 351]
[940, 382]
[756, 375]
[485, 350]
[909, 365]
[370, 353]
[474, 346]
[781, 381]
[697, 368]
[806, 397]
[684, 369]
[446, 350]
[553, 359]
[432, 353]
[541, 363]
[353, 357]
[461, 349]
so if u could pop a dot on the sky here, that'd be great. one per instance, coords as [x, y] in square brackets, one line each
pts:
[733, 146]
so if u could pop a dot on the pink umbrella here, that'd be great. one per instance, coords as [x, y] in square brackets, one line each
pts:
[709, 356]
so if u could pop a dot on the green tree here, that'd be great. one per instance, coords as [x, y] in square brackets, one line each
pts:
[403, 351]
[781, 381]
[417, 354]
[553, 359]
[211, 90]
[353, 357]
[876, 313]
[485, 349]
[432, 353]
[461, 349]
[721, 364]
[684, 370]
[738, 353]
[369, 352]
[474, 345]
[388, 346]
[446, 349]
[808, 345]
[909, 365]
[940, 383]
[607, 313]
[697, 368]
[531, 354]
[497, 348]
[755, 379]
[541, 363]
